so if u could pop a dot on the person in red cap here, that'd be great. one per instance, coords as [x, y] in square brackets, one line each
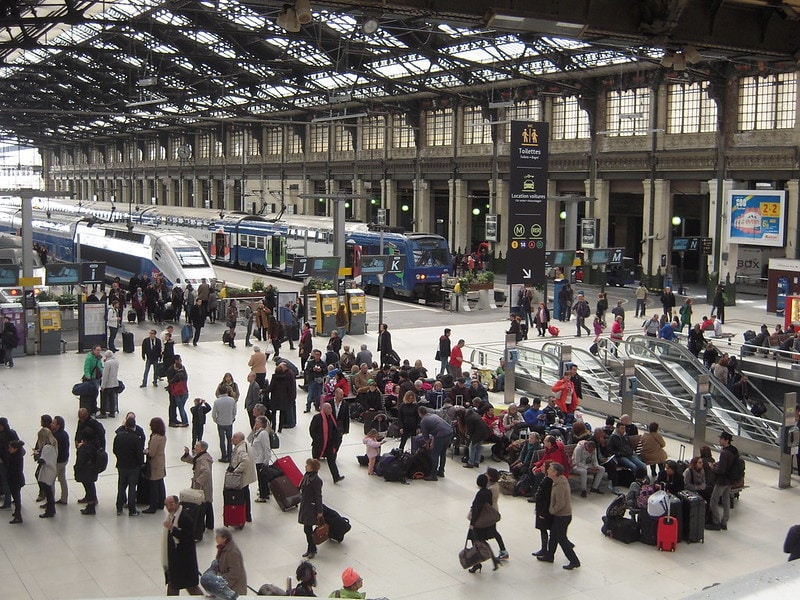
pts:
[351, 583]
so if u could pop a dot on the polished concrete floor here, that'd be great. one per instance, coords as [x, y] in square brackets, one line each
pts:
[405, 538]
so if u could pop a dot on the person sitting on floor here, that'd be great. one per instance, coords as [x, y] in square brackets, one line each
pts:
[669, 479]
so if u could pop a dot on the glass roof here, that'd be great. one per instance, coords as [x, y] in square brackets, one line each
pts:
[229, 58]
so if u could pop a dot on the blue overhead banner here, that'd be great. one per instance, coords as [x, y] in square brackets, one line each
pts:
[757, 217]
[527, 215]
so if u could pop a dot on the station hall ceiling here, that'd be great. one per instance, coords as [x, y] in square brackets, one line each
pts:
[74, 70]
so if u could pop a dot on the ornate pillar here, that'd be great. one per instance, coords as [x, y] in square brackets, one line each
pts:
[601, 205]
[460, 218]
[729, 253]
[792, 203]
[423, 207]
[661, 205]
[389, 196]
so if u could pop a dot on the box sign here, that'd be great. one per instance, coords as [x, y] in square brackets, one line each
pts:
[9, 276]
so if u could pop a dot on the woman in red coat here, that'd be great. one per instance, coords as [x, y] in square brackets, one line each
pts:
[566, 397]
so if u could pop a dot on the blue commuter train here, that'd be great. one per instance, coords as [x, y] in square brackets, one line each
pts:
[269, 245]
[127, 251]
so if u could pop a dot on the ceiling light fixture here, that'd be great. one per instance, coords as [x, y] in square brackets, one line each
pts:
[302, 9]
[370, 25]
[520, 21]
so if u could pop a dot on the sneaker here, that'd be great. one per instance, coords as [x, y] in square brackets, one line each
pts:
[133, 513]
[259, 500]
[723, 526]
[503, 555]
[583, 494]
[596, 491]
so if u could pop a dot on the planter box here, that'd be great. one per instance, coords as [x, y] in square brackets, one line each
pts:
[476, 287]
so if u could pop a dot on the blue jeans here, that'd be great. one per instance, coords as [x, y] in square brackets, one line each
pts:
[439, 454]
[474, 453]
[443, 368]
[225, 446]
[176, 406]
[633, 463]
[148, 363]
[126, 482]
[112, 336]
[216, 585]
[314, 392]
[641, 307]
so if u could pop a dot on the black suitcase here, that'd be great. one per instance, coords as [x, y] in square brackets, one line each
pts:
[143, 489]
[337, 524]
[693, 518]
[286, 494]
[197, 512]
[128, 342]
[131, 316]
[624, 530]
[168, 314]
[226, 336]
[648, 527]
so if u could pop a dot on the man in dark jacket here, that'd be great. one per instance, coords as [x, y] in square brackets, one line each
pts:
[722, 484]
[87, 421]
[385, 345]
[444, 350]
[438, 433]
[129, 450]
[197, 317]
[62, 437]
[325, 438]
[668, 302]
[477, 431]
[282, 397]
[6, 435]
[151, 354]
[315, 374]
[180, 570]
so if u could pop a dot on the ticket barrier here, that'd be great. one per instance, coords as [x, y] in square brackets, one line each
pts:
[49, 330]
[356, 307]
[327, 307]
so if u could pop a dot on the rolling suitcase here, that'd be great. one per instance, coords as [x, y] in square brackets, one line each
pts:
[285, 492]
[127, 342]
[337, 524]
[226, 336]
[648, 527]
[186, 334]
[693, 516]
[233, 512]
[668, 529]
[287, 465]
[131, 316]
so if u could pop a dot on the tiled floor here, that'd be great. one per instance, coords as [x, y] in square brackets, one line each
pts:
[405, 538]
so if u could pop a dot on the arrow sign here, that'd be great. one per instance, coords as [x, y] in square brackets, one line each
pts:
[527, 274]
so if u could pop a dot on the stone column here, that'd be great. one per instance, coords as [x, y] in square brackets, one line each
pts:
[602, 189]
[499, 191]
[730, 252]
[790, 214]
[423, 207]
[553, 239]
[360, 205]
[662, 225]
[389, 195]
[460, 218]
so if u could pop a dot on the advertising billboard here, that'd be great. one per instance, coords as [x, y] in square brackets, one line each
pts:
[757, 217]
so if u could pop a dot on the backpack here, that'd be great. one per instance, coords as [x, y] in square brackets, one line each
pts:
[524, 486]
[101, 460]
[617, 508]
[10, 339]
[736, 470]
[397, 470]
[644, 495]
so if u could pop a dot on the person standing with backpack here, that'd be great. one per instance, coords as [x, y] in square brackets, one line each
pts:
[728, 470]
[582, 312]
[10, 342]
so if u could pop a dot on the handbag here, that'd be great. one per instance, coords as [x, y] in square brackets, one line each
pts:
[470, 556]
[147, 469]
[488, 517]
[120, 386]
[320, 534]
[84, 388]
[274, 440]
[438, 355]
[233, 481]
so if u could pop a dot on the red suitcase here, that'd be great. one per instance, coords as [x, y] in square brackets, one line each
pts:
[287, 465]
[667, 533]
[233, 512]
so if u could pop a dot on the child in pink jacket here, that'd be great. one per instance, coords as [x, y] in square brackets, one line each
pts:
[373, 445]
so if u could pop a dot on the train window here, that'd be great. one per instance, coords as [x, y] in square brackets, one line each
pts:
[191, 257]
[260, 243]
[429, 254]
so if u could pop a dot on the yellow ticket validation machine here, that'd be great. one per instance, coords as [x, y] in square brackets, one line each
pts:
[49, 328]
[356, 306]
[327, 306]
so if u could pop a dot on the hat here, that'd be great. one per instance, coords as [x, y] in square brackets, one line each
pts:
[349, 577]
[725, 436]
[370, 382]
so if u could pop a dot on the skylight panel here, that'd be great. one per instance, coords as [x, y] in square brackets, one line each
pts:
[169, 18]
[339, 22]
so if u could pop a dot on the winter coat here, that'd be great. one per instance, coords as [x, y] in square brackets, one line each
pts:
[201, 473]
[242, 462]
[85, 463]
[157, 457]
[653, 452]
[230, 566]
[311, 502]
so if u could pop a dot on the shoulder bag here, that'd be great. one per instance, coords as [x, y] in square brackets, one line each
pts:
[321, 533]
[488, 517]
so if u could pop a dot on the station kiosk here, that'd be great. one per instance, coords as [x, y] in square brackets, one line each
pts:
[49, 330]
[327, 306]
[356, 307]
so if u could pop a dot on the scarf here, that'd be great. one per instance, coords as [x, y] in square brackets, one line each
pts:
[325, 430]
